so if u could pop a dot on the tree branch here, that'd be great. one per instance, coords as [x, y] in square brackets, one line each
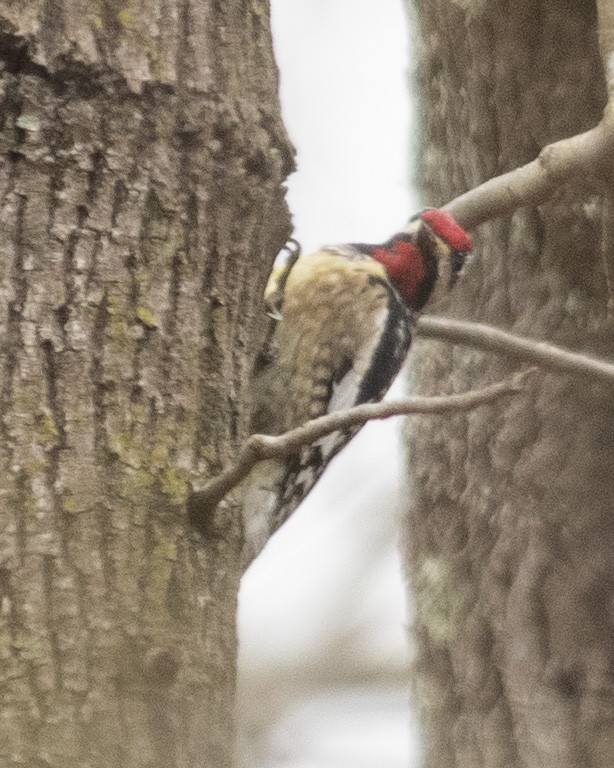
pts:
[557, 163]
[495, 340]
[260, 447]
[537, 181]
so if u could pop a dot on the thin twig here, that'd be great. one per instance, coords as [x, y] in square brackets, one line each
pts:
[260, 447]
[495, 340]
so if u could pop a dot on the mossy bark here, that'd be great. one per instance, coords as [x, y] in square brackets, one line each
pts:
[510, 524]
[142, 156]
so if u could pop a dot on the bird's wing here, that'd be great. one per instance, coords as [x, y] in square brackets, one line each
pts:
[341, 341]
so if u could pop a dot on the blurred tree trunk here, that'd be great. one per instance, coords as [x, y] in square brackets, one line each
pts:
[511, 521]
[140, 204]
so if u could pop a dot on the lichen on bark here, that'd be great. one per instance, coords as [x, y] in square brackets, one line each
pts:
[142, 157]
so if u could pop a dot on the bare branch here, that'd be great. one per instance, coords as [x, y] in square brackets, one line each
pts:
[558, 163]
[495, 340]
[537, 181]
[260, 447]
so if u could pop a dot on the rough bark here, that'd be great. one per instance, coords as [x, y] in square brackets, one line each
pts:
[510, 527]
[140, 205]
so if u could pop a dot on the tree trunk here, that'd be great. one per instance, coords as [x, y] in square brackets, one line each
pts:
[140, 208]
[510, 528]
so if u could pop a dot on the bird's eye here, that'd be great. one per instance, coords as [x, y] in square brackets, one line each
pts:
[457, 262]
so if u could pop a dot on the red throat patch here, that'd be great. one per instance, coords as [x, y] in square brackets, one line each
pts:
[444, 225]
[405, 265]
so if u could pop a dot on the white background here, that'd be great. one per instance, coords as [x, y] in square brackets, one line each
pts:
[323, 639]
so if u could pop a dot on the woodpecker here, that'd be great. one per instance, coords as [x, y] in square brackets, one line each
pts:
[340, 330]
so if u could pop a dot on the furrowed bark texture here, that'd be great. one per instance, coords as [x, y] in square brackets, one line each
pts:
[140, 207]
[510, 527]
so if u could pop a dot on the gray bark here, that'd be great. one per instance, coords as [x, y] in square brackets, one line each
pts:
[510, 524]
[140, 206]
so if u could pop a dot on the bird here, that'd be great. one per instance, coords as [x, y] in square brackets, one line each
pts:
[340, 322]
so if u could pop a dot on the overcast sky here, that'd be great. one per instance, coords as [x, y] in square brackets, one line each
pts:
[332, 572]
[345, 99]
